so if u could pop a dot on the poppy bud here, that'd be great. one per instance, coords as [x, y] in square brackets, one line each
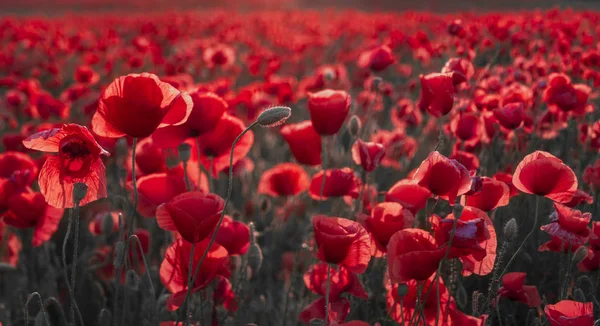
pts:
[402, 289]
[511, 230]
[316, 322]
[461, 297]
[376, 83]
[457, 210]
[578, 295]
[265, 205]
[252, 233]
[79, 192]
[119, 254]
[477, 298]
[184, 151]
[579, 254]
[255, 257]
[107, 224]
[354, 125]
[329, 75]
[274, 116]
[132, 281]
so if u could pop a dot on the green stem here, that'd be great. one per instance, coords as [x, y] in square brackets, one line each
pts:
[188, 185]
[190, 285]
[70, 286]
[327, 290]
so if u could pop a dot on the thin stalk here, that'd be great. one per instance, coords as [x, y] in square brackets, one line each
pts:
[324, 168]
[65, 269]
[229, 190]
[436, 281]
[190, 285]
[327, 290]
[188, 185]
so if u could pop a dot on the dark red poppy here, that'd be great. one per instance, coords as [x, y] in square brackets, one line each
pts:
[403, 308]
[338, 311]
[42, 105]
[130, 97]
[193, 214]
[342, 281]
[233, 236]
[591, 262]
[411, 195]
[385, 220]
[493, 194]
[285, 179]
[86, 75]
[78, 160]
[304, 142]
[541, 173]
[562, 94]
[328, 110]
[338, 183]
[578, 198]
[513, 288]
[174, 271]
[97, 221]
[223, 294]
[397, 146]
[568, 313]
[437, 93]
[466, 126]
[17, 173]
[469, 160]
[456, 28]
[510, 116]
[342, 242]
[367, 154]
[444, 177]
[215, 146]
[219, 55]
[569, 225]
[30, 210]
[413, 254]
[461, 68]
[376, 59]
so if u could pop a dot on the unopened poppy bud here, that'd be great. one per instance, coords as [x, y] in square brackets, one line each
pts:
[477, 298]
[377, 83]
[107, 224]
[132, 281]
[119, 254]
[354, 126]
[580, 254]
[316, 322]
[461, 297]
[579, 296]
[329, 74]
[255, 257]
[457, 210]
[265, 205]
[184, 151]
[511, 230]
[79, 191]
[251, 227]
[402, 290]
[274, 116]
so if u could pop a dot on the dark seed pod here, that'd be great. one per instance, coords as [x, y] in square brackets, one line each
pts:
[79, 191]
[119, 254]
[252, 233]
[274, 116]
[579, 296]
[184, 151]
[107, 224]
[255, 257]
[377, 83]
[402, 290]
[132, 280]
[354, 126]
[511, 230]
[579, 254]
[265, 205]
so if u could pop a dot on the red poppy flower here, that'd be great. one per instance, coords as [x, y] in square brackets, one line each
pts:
[30, 210]
[562, 94]
[469, 160]
[155, 189]
[385, 220]
[193, 214]
[513, 288]
[17, 173]
[413, 254]
[233, 236]
[342, 281]
[591, 262]
[397, 146]
[215, 146]
[219, 55]
[130, 97]
[367, 154]
[223, 294]
[493, 194]
[408, 193]
[174, 271]
[461, 68]
[86, 75]
[437, 93]
[557, 244]
[541, 173]
[567, 312]
[342, 242]
[411, 302]
[338, 183]
[510, 116]
[328, 110]
[78, 160]
[338, 311]
[507, 179]
[285, 179]
[578, 198]
[569, 225]
[444, 177]
[13, 246]
[376, 59]
[207, 110]
[304, 142]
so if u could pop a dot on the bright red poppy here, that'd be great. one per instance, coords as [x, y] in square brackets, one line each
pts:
[541, 173]
[493, 194]
[155, 189]
[193, 214]
[285, 179]
[385, 220]
[579, 197]
[17, 173]
[338, 311]
[376, 59]
[397, 145]
[342, 281]
[130, 97]
[328, 110]
[304, 142]
[413, 254]
[567, 313]
[569, 225]
[367, 154]
[437, 93]
[342, 242]
[510, 116]
[562, 94]
[338, 183]
[444, 177]
[234, 236]
[410, 194]
[513, 288]
[78, 160]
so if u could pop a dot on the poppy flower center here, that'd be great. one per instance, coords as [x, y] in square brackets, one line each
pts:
[75, 157]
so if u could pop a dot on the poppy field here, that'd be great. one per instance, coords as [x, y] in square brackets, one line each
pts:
[278, 168]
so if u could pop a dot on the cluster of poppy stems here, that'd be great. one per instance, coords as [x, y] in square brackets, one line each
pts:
[159, 158]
